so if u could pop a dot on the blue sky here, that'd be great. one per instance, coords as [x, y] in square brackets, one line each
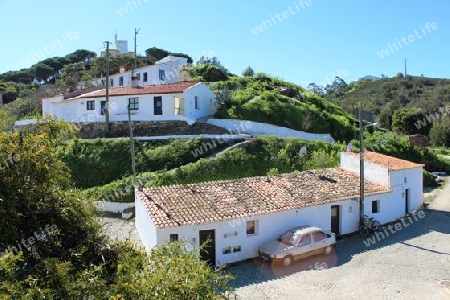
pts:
[297, 40]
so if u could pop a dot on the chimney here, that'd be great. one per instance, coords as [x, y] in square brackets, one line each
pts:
[134, 82]
[122, 69]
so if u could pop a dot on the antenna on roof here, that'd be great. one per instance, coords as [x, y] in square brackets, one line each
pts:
[349, 147]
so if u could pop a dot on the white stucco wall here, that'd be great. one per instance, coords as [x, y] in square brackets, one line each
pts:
[411, 179]
[144, 225]
[372, 172]
[114, 207]
[172, 74]
[207, 101]
[233, 233]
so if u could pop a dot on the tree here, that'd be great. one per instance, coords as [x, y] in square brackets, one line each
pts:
[51, 246]
[154, 54]
[42, 71]
[317, 89]
[248, 72]
[337, 84]
[81, 55]
[440, 132]
[399, 75]
[404, 121]
[71, 75]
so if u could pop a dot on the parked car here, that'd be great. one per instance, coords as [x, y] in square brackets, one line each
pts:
[297, 243]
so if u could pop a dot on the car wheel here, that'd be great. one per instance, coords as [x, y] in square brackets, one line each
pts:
[328, 250]
[287, 261]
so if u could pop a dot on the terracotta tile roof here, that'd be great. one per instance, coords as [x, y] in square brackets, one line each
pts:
[168, 88]
[193, 204]
[389, 162]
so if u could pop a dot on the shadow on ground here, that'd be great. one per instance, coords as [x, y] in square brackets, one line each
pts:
[254, 271]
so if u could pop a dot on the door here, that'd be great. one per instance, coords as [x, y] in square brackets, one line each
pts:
[208, 252]
[407, 200]
[157, 105]
[179, 106]
[335, 219]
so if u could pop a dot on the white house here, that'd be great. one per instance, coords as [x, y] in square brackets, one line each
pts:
[185, 101]
[240, 215]
[166, 70]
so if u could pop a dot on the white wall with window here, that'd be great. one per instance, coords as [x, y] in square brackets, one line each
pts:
[240, 239]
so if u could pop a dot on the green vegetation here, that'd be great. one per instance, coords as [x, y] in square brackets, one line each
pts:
[266, 99]
[269, 155]
[101, 161]
[51, 246]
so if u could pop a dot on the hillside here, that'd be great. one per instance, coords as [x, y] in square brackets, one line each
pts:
[386, 95]
[267, 99]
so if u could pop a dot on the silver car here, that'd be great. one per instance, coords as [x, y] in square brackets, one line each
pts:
[297, 243]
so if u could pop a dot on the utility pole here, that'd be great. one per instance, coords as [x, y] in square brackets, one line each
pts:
[405, 67]
[133, 164]
[136, 31]
[361, 164]
[107, 88]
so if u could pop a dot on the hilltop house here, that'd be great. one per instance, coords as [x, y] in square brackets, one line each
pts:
[183, 101]
[238, 216]
[166, 70]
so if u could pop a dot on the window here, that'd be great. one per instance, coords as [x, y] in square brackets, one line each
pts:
[90, 105]
[305, 239]
[236, 249]
[251, 227]
[145, 77]
[138, 75]
[121, 81]
[375, 206]
[318, 236]
[174, 237]
[111, 81]
[162, 75]
[197, 104]
[103, 107]
[133, 103]
[226, 250]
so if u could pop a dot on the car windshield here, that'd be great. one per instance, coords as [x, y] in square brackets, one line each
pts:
[287, 238]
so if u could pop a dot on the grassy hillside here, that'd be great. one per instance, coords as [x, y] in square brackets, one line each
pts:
[270, 100]
[386, 95]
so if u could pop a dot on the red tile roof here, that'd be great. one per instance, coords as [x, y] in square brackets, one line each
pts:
[169, 88]
[193, 204]
[389, 162]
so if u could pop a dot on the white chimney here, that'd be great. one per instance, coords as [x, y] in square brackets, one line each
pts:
[122, 69]
[134, 82]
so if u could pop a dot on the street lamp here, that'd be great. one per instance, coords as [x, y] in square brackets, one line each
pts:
[361, 163]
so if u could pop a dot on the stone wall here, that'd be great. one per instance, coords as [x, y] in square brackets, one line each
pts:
[121, 129]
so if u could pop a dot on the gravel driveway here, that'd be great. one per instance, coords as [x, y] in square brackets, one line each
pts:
[412, 263]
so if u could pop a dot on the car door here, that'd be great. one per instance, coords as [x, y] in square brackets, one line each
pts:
[319, 241]
[304, 246]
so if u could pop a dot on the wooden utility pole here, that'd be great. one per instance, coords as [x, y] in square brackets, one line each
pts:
[107, 88]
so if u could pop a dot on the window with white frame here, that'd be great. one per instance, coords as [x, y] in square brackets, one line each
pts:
[121, 81]
[173, 237]
[138, 75]
[251, 227]
[133, 103]
[375, 206]
[111, 82]
[90, 105]
[144, 77]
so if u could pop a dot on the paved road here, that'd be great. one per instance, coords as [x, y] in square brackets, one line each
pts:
[412, 263]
